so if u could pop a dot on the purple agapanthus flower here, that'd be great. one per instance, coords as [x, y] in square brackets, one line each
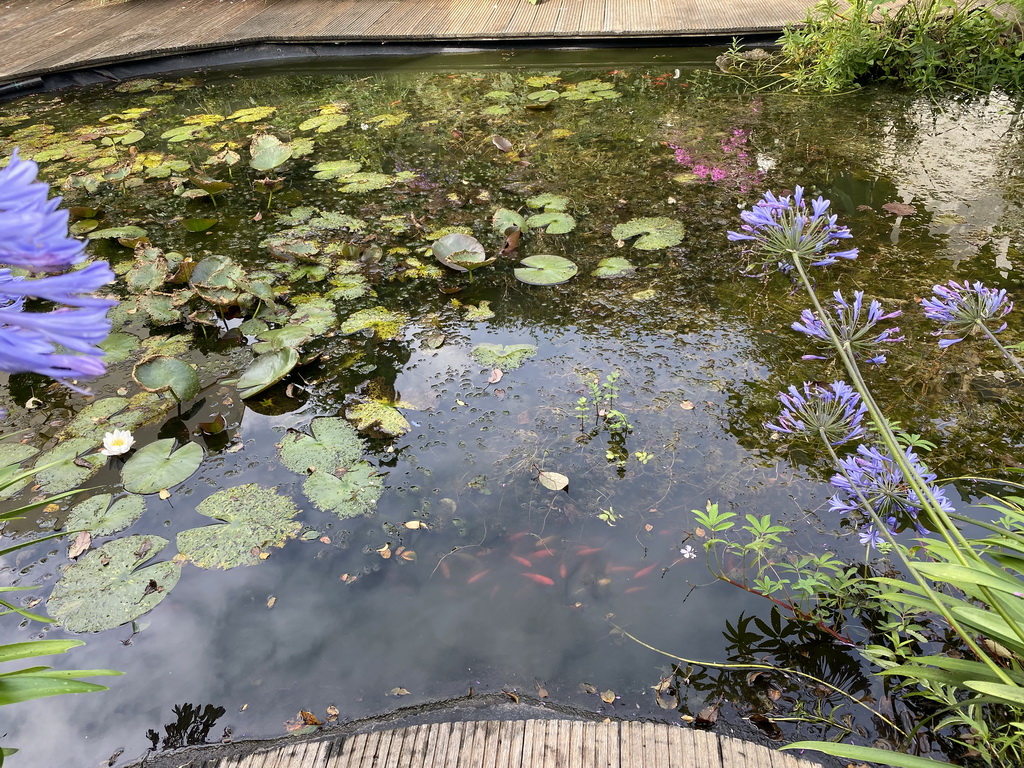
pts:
[870, 536]
[34, 229]
[881, 482]
[834, 411]
[858, 333]
[63, 342]
[787, 228]
[964, 308]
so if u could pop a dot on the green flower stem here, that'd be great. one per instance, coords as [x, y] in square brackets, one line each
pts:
[1006, 353]
[940, 606]
[945, 526]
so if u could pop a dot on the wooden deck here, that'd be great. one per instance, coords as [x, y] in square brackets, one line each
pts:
[515, 744]
[45, 36]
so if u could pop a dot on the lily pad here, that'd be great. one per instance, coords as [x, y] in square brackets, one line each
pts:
[158, 466]
[198, 225]
[354, 492]
[386, 324]
[457, 251]
[378, 417]
[333, 444]
[545, 269]
[252, 114]
[268, 152]
[78, 464]
[101, 518]
[108, 588]
[504, 219]
[324, 123]
[118, 233]
[316, 314]
[656, 233]
[265, 371]
[552, 222]
[613, 266]
[162, 374]
[118, 346]
[366, 182]
[507, 358]
[479, 312]
[335, 169]
[549, 202]
[253, 519]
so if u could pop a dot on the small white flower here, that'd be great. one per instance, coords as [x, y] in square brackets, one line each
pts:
[688, 552]
[117, 442]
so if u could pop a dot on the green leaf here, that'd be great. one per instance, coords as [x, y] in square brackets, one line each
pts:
[265, 371]
[656, 233]
[1010, 695]
[160, 374]
[118, 233]
[252, 114]
[507, 358]
[354, 493]
[457, 250]
[68, 474]
[549, 202]
[158, 466]
[288, 336]
[378, 417]
[366, 182]
[334, 444]
[883, 756]
[316, 314]
[118, 347]
[504, 219]
[386, 324]
[253, 519]
[198, 225]
[545, 269]
[324, 123]
[34, 648]
[613, 266]
[552, 222]
[17, 687]
[334, 169]
[101, 518]
[477, 313]
[107, 587]
[268, 152]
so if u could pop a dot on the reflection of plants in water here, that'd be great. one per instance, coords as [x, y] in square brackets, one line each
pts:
[191, 727]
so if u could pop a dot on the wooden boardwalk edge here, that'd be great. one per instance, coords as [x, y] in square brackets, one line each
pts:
[536, 743]
[47, 36]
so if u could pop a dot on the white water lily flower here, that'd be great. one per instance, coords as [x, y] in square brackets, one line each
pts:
[117, 442]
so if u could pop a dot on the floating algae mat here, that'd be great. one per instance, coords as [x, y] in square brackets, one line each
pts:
[427, 373]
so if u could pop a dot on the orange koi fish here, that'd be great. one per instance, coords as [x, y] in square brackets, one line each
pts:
[540, 579]
[477, 576]
[587, 551]
[522, 561]
[644, 571]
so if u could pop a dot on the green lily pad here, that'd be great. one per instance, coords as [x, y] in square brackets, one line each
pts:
[366, 182]
[496, 110]
[541, 99]
[324, 123]
[158, 466]
[162, 374]
[507, 358]
[552, 222]
[378, 417]
[288, 336]
[334, 444]
[265, 371]
[545, 269]
[549, 202]
[118, 347]
[613, 266]
[317, 314]
[184, 133]
[334, 169]
[107, 588]
[268, 152]
[252, 114]
[656, 233]
[457, 251]
[160, 308]
[354, 492]
[350, 287]
[79, 462]
[118, 233]
[147, 274]
[480, 312]
[499, 95]
[93, 420]
[11, 456]
[253, 519]
[504, 219]
[386, 324]
[198, 225]
[101, 518]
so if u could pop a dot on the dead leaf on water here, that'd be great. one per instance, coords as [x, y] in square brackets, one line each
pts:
[164, 494]
[385, 551]
[588, 688]
[553, 481]
[271, 601]
[398, 692]
[414, 525]
[495, 376]
[332, 713]
[686, 405]
[708, 715]
[542, 692]
[608, 697]
[80, 544]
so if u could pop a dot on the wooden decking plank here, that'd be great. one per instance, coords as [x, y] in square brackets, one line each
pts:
[349, 753]
[659, 747]
[592, 14]
[706, 748]
[403, 20]
[362, 19]
[514, 733]
[414, 754]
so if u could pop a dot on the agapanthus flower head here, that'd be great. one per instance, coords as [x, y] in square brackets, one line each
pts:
[787, 228]
[870, 536]
[878, 478]
[857, 330]
[62, 343]
[965, 308]
[833, 411]
[33, 230]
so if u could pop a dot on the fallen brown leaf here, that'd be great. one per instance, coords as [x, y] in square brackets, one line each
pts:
[495, 376]
[608, 697]
[80, 544]
[542, 692]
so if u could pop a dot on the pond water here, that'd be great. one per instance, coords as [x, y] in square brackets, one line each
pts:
[430, 559]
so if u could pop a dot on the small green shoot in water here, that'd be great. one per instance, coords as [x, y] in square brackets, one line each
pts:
[608, 516]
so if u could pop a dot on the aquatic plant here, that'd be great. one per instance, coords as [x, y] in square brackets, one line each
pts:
[889, 488]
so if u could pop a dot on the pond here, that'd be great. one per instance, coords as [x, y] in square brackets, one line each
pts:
[410, 469]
